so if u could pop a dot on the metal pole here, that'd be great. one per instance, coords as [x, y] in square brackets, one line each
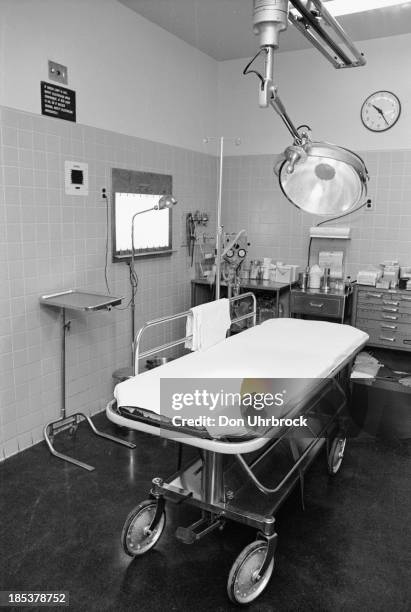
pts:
[63, 366]
[219, 226]
[279, 108]
[133, 298]
[212, 478]
[133, 289]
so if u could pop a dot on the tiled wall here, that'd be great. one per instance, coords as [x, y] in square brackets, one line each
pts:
[51, 242]
[253, 200]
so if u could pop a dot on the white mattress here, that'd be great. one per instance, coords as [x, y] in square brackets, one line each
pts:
[279, 348]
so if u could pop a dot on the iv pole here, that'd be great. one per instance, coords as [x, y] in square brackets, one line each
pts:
[219, 227]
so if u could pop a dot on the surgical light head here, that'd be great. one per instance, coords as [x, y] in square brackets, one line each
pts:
[322, 179]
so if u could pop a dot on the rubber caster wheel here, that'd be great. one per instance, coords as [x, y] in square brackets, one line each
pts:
[136, 537]
[336, 455]
[244, 583]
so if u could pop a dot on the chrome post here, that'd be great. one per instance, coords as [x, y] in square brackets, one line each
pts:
[212, 478]
[219, 226]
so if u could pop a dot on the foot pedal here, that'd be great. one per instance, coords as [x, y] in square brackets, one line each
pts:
[186, 535]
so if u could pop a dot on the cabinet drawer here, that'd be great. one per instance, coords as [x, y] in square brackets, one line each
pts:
[321, 306]
[386, 333]
[384, 313]
[394, 340]
[385, 326]
[380, 296]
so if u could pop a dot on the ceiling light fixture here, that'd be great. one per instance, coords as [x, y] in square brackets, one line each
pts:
[338, 8]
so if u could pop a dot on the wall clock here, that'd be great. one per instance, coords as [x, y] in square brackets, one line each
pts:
[380, 111]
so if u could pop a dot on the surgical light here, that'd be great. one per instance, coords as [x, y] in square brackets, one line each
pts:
[317, 177]
[322, 179]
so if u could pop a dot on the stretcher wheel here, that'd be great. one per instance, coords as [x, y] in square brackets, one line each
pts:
[244, 583]
[336, 455]
[136, 538]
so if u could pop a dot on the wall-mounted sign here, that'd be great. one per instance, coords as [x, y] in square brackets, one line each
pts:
[58, 102]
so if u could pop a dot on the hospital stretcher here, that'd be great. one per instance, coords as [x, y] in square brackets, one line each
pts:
[242, 478]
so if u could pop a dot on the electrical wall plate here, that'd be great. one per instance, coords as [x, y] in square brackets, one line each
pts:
[76, 178]
[57, 72]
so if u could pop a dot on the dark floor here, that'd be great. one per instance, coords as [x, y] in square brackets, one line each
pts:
[60, 530]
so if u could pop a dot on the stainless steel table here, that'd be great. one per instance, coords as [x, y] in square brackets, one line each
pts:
[84, 301]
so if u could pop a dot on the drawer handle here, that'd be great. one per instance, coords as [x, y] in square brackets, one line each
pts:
[390, 309]
[389, 303]
[387, 339]
[390, 317]
[376, 295]
[406, 298]
[387, 326]
[407, 341]
[316, 304]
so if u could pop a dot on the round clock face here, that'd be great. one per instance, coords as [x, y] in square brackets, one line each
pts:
[380, 111]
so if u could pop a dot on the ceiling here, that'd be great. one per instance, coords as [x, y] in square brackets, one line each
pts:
[223, 28]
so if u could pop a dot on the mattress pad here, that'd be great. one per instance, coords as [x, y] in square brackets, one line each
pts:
[279, 348]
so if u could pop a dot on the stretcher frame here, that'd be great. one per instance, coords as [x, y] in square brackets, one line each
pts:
[202, 482]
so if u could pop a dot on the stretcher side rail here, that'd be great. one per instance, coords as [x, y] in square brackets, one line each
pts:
[316, 440]
[181, 315]
[278, 439]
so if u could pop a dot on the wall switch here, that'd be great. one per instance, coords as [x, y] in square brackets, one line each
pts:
[57, 72]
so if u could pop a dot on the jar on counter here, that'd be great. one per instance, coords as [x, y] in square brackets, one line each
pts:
[266, 270]
[315, 277]
[255, 267]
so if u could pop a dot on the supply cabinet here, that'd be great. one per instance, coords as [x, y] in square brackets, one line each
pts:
[385, 314]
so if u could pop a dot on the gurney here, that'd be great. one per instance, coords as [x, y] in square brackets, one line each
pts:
[242, 476]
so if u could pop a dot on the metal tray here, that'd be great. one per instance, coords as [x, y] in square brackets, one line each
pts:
[76, 299]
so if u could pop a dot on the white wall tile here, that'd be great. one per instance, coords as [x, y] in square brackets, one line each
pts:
[51, 241]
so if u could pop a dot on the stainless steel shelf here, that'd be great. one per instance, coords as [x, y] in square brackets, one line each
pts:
[77, 299]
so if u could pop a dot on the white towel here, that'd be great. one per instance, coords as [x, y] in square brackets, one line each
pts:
[208, 324]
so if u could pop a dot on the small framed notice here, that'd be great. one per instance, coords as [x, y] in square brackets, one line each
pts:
[58, 102]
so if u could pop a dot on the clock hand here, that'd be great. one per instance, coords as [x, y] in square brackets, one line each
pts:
[381, 112]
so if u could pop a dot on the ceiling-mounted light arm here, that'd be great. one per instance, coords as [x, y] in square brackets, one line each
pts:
[279, 108]
[270, 18]
[268, 92]
[309, 23]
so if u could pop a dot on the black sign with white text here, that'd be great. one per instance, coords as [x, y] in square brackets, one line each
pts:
[58, 102]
